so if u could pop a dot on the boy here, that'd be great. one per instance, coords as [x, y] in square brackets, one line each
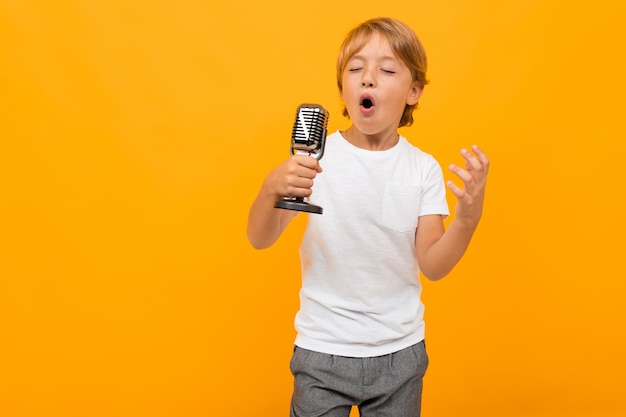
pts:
[360, 326]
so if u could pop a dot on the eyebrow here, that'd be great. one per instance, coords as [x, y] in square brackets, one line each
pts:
[384, 58]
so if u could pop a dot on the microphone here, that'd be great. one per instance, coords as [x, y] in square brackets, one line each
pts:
[308, 137]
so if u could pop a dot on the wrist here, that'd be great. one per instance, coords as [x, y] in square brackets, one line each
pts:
[467, 223]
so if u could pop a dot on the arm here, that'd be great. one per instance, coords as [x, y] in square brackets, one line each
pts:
[292, 178]
[439, 250]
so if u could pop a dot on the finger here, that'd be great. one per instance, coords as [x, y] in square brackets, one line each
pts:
[482, 157]
[309, 165]
[302, 168]
[301, 182]
[298, 192]
[299, 187]
[471, 161]
[307, 161]
[304, 172]
[455, 189]
[465, 176]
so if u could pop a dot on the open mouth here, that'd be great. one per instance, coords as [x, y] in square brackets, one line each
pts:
[367, 103]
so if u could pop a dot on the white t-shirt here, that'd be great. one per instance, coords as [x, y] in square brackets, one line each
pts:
[360, 291]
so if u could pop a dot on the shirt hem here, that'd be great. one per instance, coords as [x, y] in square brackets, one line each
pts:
[357, 351]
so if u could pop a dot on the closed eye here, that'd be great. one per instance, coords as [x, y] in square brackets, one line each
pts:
[387, 71]
[355, 69]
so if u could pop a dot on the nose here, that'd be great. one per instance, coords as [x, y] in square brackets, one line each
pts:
[369, 80]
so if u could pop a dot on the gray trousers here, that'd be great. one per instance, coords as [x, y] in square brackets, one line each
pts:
[381, 386]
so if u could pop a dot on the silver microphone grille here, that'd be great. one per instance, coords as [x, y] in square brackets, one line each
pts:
[309, 130]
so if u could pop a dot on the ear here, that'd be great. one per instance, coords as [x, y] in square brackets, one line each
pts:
[415, 93]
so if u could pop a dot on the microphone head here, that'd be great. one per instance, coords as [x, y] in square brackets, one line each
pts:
[309, 130]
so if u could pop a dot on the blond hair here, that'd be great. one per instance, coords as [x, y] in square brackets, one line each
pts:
[404, 43]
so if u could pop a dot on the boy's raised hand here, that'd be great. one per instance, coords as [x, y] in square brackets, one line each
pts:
[294, 177]
[470, 198]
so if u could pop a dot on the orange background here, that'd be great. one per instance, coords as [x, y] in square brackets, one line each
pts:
[135, 135]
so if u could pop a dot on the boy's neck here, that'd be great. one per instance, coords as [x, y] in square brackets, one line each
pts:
[378, 142]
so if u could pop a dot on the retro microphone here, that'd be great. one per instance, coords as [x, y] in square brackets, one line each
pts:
[308, 137]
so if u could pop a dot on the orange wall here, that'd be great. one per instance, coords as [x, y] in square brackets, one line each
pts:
[135, 134]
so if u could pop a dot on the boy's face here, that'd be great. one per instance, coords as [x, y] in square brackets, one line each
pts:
[377, 86]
